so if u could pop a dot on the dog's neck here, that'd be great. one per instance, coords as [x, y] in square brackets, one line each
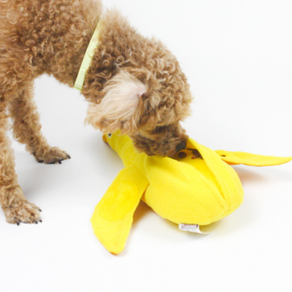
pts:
[68, 53]
[119, 46]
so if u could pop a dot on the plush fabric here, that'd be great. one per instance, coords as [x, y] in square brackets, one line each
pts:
[196, 187]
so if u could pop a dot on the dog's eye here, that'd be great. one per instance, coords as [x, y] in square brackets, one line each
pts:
[109, 135]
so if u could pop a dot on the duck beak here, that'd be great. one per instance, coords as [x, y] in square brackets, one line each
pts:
[104, 139]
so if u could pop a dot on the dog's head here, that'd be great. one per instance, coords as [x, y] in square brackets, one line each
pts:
[146, 106]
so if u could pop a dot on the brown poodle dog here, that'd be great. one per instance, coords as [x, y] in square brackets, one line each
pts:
[133, 84]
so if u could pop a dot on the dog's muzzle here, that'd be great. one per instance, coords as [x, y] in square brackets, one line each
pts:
[181, 146]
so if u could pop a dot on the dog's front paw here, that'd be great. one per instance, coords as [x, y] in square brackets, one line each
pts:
[24, 212]
[51, 155]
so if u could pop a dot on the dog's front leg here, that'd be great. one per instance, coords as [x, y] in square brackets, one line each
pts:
[27, 128]
[15, 206]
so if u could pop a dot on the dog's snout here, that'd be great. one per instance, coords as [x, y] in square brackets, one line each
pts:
[182, 145]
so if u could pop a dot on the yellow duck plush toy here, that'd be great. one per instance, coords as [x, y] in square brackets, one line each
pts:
[196, 188]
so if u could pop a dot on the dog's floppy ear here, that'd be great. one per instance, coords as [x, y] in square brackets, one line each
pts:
[117, 109]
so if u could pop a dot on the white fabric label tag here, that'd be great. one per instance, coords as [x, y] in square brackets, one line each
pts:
[194, 228]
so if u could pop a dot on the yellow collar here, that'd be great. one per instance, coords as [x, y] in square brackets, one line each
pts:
[87, 57]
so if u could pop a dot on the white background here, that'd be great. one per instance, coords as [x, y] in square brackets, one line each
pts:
[238, 59]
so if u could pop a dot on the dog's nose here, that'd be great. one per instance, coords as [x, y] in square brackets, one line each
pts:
[182, 145]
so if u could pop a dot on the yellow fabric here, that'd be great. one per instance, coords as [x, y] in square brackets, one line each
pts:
[113, 216]
[197, 189]
[233, 158]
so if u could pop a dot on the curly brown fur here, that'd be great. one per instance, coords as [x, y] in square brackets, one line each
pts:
[160, 108]
[133, 84]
